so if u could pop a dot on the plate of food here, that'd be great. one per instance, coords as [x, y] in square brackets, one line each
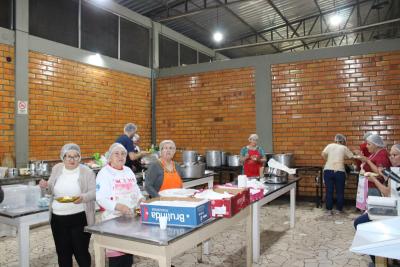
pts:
[178, 192]
[66, 199]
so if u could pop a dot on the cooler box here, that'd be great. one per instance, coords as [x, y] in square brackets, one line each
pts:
[228, 207]
[186, 212]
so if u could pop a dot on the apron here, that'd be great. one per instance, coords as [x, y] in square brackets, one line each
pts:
[362, 192]
[123, 193]
[251, 167]
[171, 179]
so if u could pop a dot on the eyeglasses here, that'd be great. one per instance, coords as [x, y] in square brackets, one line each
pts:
[394, 155]
[74, 158]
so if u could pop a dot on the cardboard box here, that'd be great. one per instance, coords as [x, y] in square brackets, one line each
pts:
[228, 207]
[255, 193]
[177, 215]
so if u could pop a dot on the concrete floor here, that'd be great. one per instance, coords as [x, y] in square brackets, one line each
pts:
[316, 240]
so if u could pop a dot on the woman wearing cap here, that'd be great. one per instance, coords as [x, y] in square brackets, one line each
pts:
[253, 157]
[379, 157]
[68, 220]
[164, 174]
[118, 193]
[334, 172]
[388, 188]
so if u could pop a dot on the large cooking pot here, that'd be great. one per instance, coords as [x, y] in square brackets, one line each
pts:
[224, 156]
[213, 158]
[275, 176]
[189, 156]
[234, 161]
[286, 159]
[195, 170]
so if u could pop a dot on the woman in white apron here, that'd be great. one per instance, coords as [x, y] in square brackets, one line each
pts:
[118, 194]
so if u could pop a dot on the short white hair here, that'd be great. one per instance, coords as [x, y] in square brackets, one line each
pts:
[114, 147]
[164, 142]
[253, 137]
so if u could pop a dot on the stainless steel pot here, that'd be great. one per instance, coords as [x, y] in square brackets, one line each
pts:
[234, 161]
[286, 159]
[195, 170]
[276, 172]
[213, 158]
[273, 179]
[275, 176]
[224, 156]
[189, 156]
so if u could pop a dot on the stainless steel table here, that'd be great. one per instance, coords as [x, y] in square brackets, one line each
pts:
[23, 218]
[129, 235]
[273, 191]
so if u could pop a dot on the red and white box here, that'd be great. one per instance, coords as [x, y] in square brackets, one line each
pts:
[227, 207]
[255, 193]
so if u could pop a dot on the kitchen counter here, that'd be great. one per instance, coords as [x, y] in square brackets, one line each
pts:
[21, 179]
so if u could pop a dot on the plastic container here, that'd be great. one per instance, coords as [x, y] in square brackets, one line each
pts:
[15, 196]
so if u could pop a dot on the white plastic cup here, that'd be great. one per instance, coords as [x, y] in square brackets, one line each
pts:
[242, 181]
[163, 222]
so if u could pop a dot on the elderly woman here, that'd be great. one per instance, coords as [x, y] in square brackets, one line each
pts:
[164, 174]
[379, 158]
[253, 157]
[69, 216]
[334, 172]
[388, 188]
[117, 193]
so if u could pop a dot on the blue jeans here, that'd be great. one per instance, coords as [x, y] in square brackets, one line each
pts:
[334, 180]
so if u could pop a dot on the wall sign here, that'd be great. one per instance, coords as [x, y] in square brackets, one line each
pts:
[22, 107]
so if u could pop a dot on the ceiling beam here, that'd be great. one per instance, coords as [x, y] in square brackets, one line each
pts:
[246, 24]
[198, 11]
[285, 20]
[311, 16]
[321, 35]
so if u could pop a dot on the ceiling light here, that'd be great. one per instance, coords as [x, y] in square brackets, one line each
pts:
[218, 36]
[335, 19]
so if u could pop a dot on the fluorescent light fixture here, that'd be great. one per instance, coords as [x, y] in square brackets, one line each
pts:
[335, 19]
[218, 36]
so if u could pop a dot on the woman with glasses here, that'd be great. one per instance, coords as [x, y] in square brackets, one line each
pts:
[118, 194]
[72, 188]
[164, 174]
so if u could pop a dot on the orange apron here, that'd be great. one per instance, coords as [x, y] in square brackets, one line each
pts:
[171, 178]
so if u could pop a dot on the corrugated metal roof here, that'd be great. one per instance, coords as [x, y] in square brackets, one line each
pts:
[250, 21]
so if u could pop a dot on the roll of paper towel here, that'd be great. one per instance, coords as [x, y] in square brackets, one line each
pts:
[381, 201]
[242, 181]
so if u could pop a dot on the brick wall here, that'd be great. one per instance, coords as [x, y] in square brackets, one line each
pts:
[74, 102]
[314, 100]
[212, 110]
[7, 100]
